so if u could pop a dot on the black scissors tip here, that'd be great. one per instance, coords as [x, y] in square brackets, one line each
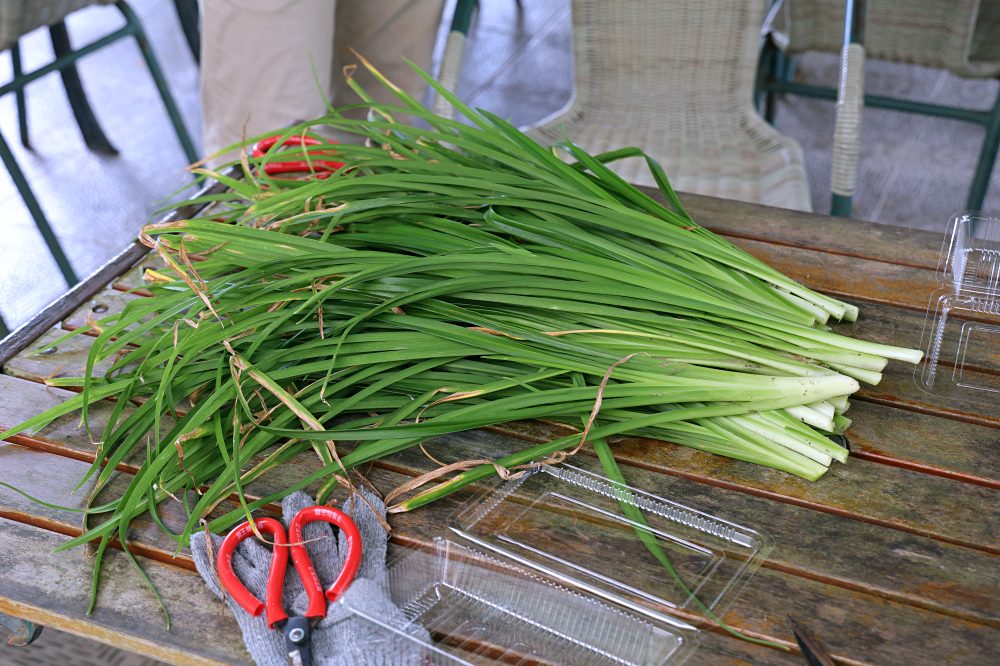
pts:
[813, 649]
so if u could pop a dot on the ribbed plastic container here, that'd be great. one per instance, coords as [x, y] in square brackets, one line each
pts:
[961, 336]
[562, 566]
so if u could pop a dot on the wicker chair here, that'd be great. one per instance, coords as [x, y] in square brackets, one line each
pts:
[677, 79]
[961, 36]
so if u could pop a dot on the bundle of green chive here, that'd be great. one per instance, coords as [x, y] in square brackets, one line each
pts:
[452, 276]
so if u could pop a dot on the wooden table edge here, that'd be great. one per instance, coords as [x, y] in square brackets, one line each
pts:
[97, 632]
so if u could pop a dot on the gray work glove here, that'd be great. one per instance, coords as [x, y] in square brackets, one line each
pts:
[341, 637]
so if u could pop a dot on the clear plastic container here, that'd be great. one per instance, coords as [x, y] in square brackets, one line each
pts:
[961, 336]
[550, 568]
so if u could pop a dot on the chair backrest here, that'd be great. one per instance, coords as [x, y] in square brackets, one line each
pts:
[947, 34]
[640, 60]
[19, 17]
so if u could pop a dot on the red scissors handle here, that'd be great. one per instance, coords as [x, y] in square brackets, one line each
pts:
[275, 579]
[304, 566]
[318, 168]
[279, 562]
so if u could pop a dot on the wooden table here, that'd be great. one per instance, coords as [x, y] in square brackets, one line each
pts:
[891, 558]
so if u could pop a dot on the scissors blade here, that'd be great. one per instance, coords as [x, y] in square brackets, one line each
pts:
[813, 649]
[298, 632]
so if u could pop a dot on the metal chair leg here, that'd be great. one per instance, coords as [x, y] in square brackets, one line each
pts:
[187, 13]
[20, 96]
[161, 82]
[763, 98]
[19, 632]
[91, 130]
[780, 70]
[987, 158]
[36, 213]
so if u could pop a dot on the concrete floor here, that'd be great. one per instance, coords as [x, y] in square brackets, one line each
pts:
[915, 170]
[94, 203]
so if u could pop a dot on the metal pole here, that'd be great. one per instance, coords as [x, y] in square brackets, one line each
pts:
[987, 158]
[161, 82]
[21, 183]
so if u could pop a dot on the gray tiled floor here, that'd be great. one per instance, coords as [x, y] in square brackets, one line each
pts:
[914, 170]
[94, 203]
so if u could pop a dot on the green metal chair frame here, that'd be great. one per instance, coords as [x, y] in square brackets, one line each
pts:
[777, 71]
[64, 63]
[187, 14]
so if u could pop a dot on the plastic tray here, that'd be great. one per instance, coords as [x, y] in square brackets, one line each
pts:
[961, 336]
[547, 569]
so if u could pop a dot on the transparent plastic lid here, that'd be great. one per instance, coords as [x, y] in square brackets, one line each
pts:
[478, 609]
[961, 336]
[563, 566]
[611, 539]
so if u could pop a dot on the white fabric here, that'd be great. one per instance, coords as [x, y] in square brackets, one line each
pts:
[268, 63]
[451, 68]
[847, 130]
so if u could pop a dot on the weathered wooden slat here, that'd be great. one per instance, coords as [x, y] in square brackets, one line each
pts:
[52, 589]
[941, 508]
[98, 306]
[866, 631]
[821, 545]
[22, 399]
[133, 280]
[718, 650]
[903, 327]
[837, 235]
[68, 359]
[926, 443]
[52, 478]
[898, 390]
[919, 563]
[56, 475]
[926, 516]
[848, 278]
[772, 594]
[912, 559]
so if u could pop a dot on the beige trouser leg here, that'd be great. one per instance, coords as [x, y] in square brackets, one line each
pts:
[261, 59]
[264, 64]
[384, 32]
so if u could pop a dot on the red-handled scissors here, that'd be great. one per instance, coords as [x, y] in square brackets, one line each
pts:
[297, 629]
[314, 168]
